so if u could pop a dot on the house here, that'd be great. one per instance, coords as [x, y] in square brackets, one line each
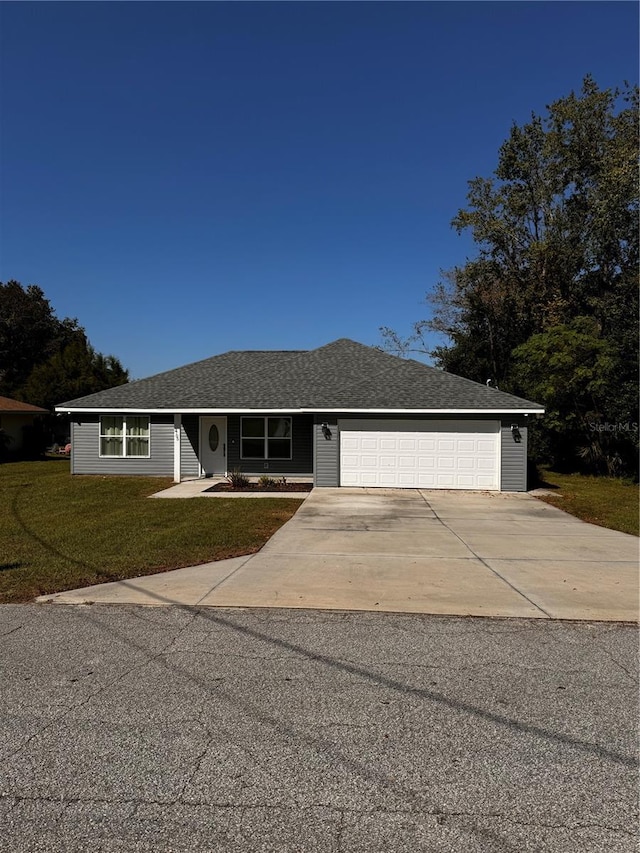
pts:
[16, 418]
[345, 414]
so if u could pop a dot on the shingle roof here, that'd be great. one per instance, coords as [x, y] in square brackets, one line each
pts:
[7, 405]
[343, 375]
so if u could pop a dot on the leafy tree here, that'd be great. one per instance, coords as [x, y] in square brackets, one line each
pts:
[29, 333]
[72, 372]
[556, 230]
[45, 360]
[572, 368]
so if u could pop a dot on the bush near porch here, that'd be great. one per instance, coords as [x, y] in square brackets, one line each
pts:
[60, 532]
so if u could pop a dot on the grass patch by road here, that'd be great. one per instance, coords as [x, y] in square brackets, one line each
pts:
[60, 532]
[600, 500]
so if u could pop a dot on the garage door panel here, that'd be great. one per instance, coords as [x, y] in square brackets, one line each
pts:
[353, 479]
[426, 462]
[444, 481]
[444, 462]
[485, 482]
[407, 462]
[407, 480]
[426, 481]
[387, 478]
[465, 481]
[485, 463]
[464, 459]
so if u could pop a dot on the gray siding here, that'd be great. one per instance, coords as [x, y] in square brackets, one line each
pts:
[85, 449]
[513, 456]
[327, 452]
[302, 450]
[308, 444]
[189, 446]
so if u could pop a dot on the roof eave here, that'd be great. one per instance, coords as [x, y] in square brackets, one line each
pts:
[230, 410]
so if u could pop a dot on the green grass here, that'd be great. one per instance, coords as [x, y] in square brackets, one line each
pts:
[600, 500]
[60, 532]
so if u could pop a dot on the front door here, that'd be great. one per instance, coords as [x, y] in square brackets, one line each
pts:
[213, 446]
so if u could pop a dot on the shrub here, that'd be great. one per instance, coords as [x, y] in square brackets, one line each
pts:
[238, 480]
[266, 482]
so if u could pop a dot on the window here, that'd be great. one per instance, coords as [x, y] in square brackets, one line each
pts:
[124, 435]
[265, 438]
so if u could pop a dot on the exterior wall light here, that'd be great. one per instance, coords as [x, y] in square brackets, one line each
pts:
[515, 432]
[326, 431]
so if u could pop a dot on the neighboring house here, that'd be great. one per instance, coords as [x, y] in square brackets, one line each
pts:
[345, 414]
[14, 417]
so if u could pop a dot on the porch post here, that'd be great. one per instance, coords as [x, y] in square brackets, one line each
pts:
[177, 427]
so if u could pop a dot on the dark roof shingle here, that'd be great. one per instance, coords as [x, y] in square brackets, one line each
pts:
[342, 375]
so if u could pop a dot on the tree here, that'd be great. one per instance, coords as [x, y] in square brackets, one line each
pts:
[572, 368]
[29, 333]
[72, 372]
[556, 229]
[45, 360]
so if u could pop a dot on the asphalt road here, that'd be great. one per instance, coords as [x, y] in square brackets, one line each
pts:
[184, 729]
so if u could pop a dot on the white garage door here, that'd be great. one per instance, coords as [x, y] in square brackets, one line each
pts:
[427, 455]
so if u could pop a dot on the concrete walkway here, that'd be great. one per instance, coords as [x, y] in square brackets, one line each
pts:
[413, 551]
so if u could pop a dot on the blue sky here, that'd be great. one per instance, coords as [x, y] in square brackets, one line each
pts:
[188, 178]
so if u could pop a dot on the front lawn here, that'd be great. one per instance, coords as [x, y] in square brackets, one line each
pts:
[600, 500]
[60, 532]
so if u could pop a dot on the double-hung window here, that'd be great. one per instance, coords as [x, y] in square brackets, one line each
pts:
[124, 435]
[265, 438]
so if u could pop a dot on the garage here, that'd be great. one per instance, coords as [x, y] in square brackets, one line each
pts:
[429, 454]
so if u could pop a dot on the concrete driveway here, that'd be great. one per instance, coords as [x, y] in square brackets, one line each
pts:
[413, 551]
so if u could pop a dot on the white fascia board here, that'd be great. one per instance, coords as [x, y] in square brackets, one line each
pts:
[429, 411]
[180, 411]
[305, 411]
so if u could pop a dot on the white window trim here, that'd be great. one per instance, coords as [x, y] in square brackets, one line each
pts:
[124, 454]
[265, 457]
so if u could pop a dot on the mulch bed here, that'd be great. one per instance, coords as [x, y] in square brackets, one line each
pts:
[256, 487]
